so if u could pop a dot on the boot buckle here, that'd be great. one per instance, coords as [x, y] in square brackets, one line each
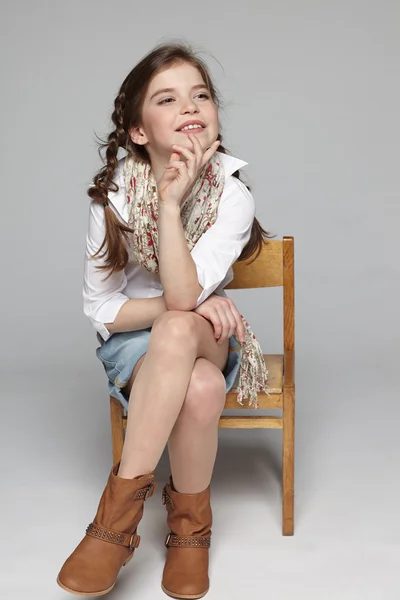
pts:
[150, 490]
[134, 541]
[145, 492]
[166, 500]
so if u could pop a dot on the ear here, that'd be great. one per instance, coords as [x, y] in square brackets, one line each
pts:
[138, 136]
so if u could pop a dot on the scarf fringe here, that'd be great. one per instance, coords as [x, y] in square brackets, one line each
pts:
[253, 374]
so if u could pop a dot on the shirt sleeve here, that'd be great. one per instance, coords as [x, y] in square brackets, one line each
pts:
[222, 244]
[101, 299]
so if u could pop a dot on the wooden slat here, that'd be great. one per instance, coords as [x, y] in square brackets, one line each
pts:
[288, 462]
[264, 401]
[250, 422]
[116, 414]
[288, 309]
[266, 271]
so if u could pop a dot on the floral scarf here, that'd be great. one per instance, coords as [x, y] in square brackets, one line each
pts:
[198, 212]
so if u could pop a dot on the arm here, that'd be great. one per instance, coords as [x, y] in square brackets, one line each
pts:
[189, 278]
[137, 313]
[177, 269]
[178, 272]
[108, 309]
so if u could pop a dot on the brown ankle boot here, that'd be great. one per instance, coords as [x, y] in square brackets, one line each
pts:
[190, 519]
[111, 539]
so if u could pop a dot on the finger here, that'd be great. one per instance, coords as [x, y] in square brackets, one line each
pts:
[208, 153]
[226, 308]
[191, 160]
[216, 322]
[177, 164]
[174, 156]
[239, 321]
[185, 152]
[198, 150]
[225, 324]
[197, 147]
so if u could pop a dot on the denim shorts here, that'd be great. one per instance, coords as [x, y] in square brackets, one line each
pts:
[120, 353]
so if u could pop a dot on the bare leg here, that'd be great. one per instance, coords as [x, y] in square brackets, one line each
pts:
[159, 390]
[193, 443]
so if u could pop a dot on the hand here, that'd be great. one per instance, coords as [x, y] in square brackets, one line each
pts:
[224, 317]
[179, 176]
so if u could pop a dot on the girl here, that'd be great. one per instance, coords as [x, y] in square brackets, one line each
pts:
[166, 224]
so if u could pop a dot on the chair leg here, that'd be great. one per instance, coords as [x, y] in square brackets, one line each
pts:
[117, 430]
[288, 462]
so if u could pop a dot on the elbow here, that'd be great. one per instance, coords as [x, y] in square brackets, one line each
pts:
[185, 303]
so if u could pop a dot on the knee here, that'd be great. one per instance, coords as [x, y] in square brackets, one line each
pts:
[175, 328]
[205, 397]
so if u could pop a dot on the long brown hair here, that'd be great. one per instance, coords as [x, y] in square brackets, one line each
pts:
[126, 115]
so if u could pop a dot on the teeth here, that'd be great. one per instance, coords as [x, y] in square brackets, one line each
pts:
[191, 127]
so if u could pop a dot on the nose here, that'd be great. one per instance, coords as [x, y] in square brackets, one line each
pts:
[189, 107]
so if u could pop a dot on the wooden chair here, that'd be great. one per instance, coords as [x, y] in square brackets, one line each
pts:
[274, 267]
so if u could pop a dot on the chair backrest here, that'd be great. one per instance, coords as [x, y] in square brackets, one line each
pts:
[273, 267]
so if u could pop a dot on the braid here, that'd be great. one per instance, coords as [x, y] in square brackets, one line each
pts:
[115, 255]
[118, 119]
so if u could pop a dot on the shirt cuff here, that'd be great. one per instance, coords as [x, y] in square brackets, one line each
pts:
[209, 284]
[107, 313]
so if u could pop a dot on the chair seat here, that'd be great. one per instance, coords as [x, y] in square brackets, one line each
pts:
[274, 364]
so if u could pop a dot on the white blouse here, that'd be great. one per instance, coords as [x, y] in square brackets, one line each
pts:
[214, 254]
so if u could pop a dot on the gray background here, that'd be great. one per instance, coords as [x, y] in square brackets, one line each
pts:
[312, 95]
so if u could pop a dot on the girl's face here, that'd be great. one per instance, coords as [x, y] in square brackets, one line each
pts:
[175, 97]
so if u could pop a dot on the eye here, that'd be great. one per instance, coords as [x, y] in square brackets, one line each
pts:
[167, 100]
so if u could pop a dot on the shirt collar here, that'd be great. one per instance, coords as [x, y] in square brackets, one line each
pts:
[229, 163]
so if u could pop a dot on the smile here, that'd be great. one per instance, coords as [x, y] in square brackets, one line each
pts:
[192, 127]
[195, 129]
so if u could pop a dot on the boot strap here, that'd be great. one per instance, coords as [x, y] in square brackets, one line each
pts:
[129, 540]
[187, 541]
[145, 492]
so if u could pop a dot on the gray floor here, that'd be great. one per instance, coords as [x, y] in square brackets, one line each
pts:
[347, 533]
